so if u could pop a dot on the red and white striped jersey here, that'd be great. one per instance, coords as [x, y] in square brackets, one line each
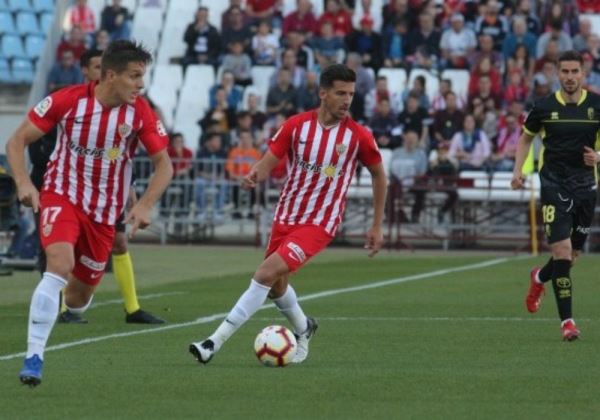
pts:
[323, 161]
[91, 162]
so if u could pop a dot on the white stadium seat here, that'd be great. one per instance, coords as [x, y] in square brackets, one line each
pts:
[169, 76]
[147, 24]
[166, 100]
[172, 44]
[396, 78]
[460, 81]
[261, 79]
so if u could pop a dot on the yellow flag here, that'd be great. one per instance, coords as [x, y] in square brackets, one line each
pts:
[528, 165]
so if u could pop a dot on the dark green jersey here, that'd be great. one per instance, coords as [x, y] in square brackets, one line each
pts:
[565, 128]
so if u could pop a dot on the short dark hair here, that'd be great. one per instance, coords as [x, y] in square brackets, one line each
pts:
[570, 55]
[87, 56]
[336, 72]
[120, 53]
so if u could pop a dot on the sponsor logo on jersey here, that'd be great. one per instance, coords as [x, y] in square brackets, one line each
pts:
[584, 230]
[590, 113]
[113, 153]
[89, 263]
[329, 170]
[340, 148]
[47, 230]
[554, 115]
[43, 106]
[124, 130]
[563, 282]
[160, 128]
[296, 253]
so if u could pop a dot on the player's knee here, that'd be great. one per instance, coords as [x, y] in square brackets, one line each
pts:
[277, 290]
[61, 263]
[78, 299]
[562, 250]
[120, 244]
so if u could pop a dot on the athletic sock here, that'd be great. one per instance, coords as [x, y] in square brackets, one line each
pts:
[42, 312]
[123, 271]
[288, 306]
[545, 273]
[246, 306]
[561, 282]
[79, 311]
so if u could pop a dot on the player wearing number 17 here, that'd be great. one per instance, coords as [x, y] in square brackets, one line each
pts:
[568, 122]
[86, 184]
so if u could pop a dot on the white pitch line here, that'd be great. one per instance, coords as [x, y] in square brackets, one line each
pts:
[430, 318]
[140, 297]
[318, 295]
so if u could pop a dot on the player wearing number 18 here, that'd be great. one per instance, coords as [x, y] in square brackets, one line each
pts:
[568, 122]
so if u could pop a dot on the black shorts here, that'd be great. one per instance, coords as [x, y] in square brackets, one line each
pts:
[119, 225]
[567, 215]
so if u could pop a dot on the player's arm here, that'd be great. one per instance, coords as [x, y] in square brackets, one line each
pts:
[379, 184]
[25, 134]
[522, 152]
[260, 171]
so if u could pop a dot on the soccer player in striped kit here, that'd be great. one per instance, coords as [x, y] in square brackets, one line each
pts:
[86, 184]
[324, 146]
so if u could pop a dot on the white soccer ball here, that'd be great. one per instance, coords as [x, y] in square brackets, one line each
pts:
[275, 346]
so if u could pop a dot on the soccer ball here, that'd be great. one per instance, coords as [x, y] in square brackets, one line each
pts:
[275, 346]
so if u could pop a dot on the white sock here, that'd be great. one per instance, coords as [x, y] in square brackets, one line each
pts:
[43, 311]
[288, 306]
[81, 310]
[246, 306]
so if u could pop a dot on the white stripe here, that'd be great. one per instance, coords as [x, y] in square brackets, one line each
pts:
[312, 159]
[56, 160]
[338, 206]
[103, 182]
[329, 196]
[140, 297]
[323, 180]
[313, 296]
[88, 166]
[75, 138]
[117, 181]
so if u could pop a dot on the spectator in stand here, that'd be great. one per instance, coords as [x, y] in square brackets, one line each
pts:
[443, 171]
[550, 56]
[518, 36]
[75, 43]
[446, 122]
[301, 20]
[457, 43]
[181, 156]
[238, 63]
[236, 30]
[470, 147]
[116, 21]
[492, 24]
[308, 96]
[81, 15]
[289, 62]
[339, 18]
[580, 41]
[541, 88]
[556, 33]
[367, 44]
[305, 57]
[438, 102]
[394, 11]
[550, 70]
[594, 50]
[243, 123]
[563, 11]
[239, 162]
[419, 88]
[268, 10]
[484, 95]
[202, 39]
[589, 6]
[327, 44]
[384, 126]
[486, 49]
[394, 44]
[517, 87]
[364, 84]
[592, 79]
[210, 177]
[220, 114]
[367, 9]
[484, 69]
[379, 92]
[233, 93]
[415, 118]
[525, 10]
[425, 35]
[101, 40]
[65, 72]
[264, 45]
[521, 61]
[505, 148]
[259, 118]
[234, 6]
[282, 97]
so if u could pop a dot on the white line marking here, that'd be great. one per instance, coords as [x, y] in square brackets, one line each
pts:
[429, 318]
[140, 297]
[214, 317]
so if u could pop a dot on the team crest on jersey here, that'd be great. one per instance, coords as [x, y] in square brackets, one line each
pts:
[113, 153]
[590, 113]
[554, 115]
[329, 171]
[160, 128]
[43, 106]
[124, 130]
[340, 148]
[47, 229]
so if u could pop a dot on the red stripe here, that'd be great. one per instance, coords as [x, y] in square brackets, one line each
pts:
[101, 140]
[67, 161]
[83, 142]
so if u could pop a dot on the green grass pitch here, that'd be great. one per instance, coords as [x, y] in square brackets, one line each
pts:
[446, 337]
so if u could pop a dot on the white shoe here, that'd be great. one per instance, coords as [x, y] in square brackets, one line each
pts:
[203, 351]
[303, 339]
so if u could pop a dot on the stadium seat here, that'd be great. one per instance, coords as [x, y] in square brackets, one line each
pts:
[191, 134]
[12, 47]
[215, 12]
[172, 44]
[166, 99]
[5, 75]
[184, 8]
[147, 24]
[261, 98]
[396, 78]
[432, 83]
[131, 5]
[43, 6]
[46, 21]
[155, 4]
[27, 24]
[20, 6]
[168, 76]
[460, 81]
[22, 71]
[34, 45]
[97, 6]
[261, 79]
[7, 24]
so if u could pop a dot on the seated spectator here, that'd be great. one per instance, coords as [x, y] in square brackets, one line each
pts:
[301, 20]
[305, 57]
[594, 49]
[521, 61]
[233, 93]
[418, 88]
[236, 30]
[270, 129]
[457, 43]
[493, 24]
[243, 123]
[239, 162]
[367, 9]
[381, 91]
[326, 44]
[202, 39]
[384, 125]
[211, 185]
[446, 122]
[525, 9]
[367, 44]
[396, 10]
[443, 171]
[550, 56]
[518, 36]
[258, 117]
[550, 70]
[101, 40]
[415, 118]
[580, 41]
[339, 18]
[220, 114]
[517, 88]
[364, 84]
[426, 35]
[264, 10]
[182, 160]
[289, 62]
[75, 43]
[238, 63]
[282, 97]
[505, 150]
[470, 147]
[592, 79]
[116, 20]
[308, 96]
[484, 69]
[234, 6]
[394, 43]
[81, 15]
[65, 72]
[563, 11]
[264, 45]
[486, 50]
[438, 102]
[562, 38]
